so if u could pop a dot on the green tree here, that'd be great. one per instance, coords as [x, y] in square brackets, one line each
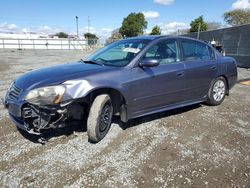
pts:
[115, 35]
[133, 25]
[198, 24]
[156, 30]
[237, 17]
[92, 38]
[62, 35]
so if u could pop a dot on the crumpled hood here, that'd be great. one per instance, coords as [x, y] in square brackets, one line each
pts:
[56, 74]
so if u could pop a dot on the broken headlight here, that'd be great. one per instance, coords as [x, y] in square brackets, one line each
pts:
[45, 95]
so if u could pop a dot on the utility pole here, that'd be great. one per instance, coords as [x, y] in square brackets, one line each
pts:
[88, 24]
[199, 29]
[77, 31]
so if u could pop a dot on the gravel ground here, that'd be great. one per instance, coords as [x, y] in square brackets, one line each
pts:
[196, 146]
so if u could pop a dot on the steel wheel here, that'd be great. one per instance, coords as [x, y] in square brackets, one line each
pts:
[100, 117]
[105, 118]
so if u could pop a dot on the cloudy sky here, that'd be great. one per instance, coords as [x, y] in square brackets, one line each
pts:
[51, 16]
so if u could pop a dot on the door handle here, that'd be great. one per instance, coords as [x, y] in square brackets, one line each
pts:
[179, 74]
[213, 67]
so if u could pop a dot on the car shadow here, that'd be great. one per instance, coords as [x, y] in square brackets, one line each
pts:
[79, 126]
[148, 118]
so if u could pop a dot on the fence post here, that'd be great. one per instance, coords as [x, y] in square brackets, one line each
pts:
[69, 42]
[19, 47]
[3, 43]
[33, 41]
[238, 44]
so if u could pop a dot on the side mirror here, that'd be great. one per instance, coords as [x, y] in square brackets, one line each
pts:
[149, 63]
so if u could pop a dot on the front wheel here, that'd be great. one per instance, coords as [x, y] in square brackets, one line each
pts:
[217, 92]
[100, 117]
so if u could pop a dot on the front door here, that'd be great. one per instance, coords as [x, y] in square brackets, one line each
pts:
[157, 87]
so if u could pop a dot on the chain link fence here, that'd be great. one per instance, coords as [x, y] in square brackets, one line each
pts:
[49, 44]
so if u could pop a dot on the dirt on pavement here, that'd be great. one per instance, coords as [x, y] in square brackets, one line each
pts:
[196, 146]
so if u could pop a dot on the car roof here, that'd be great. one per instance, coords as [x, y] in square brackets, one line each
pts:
[149, 37]
[153, 37]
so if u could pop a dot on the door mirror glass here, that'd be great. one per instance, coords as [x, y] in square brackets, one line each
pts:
[149, 63]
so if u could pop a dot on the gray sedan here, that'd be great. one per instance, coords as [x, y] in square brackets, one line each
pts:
[131, 78]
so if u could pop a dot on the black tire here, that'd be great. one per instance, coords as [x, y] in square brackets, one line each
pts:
[100, 117]
[217, 92]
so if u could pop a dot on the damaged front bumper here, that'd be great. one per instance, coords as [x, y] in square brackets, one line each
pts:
[33, 118]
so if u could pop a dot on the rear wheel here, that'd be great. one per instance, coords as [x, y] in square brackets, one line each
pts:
[217, 92]
[100, 117]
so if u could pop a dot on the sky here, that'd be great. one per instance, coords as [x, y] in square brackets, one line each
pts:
[51, 16]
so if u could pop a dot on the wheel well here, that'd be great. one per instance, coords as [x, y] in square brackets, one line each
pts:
[116, 97]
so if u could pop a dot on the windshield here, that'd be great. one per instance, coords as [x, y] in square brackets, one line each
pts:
[120, 53]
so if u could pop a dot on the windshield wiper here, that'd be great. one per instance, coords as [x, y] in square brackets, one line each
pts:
[92, 62]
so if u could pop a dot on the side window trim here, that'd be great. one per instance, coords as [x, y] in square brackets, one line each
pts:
[211, 50]
[181, 51]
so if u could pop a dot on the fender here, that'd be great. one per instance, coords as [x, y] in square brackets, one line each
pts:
[76, 89]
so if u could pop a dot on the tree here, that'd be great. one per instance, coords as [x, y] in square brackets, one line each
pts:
[133, 25]
[62, 35]
[115, 35]
[198, 25]
[156, 30]
[237, 17]
[92, 38]
[213, 25]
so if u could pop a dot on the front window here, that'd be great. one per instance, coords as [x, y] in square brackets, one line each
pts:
[165, 51]
[120, 53]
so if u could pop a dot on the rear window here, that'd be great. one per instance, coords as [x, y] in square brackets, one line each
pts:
[194, 50]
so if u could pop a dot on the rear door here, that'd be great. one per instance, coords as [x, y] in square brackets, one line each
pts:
[201, 68]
